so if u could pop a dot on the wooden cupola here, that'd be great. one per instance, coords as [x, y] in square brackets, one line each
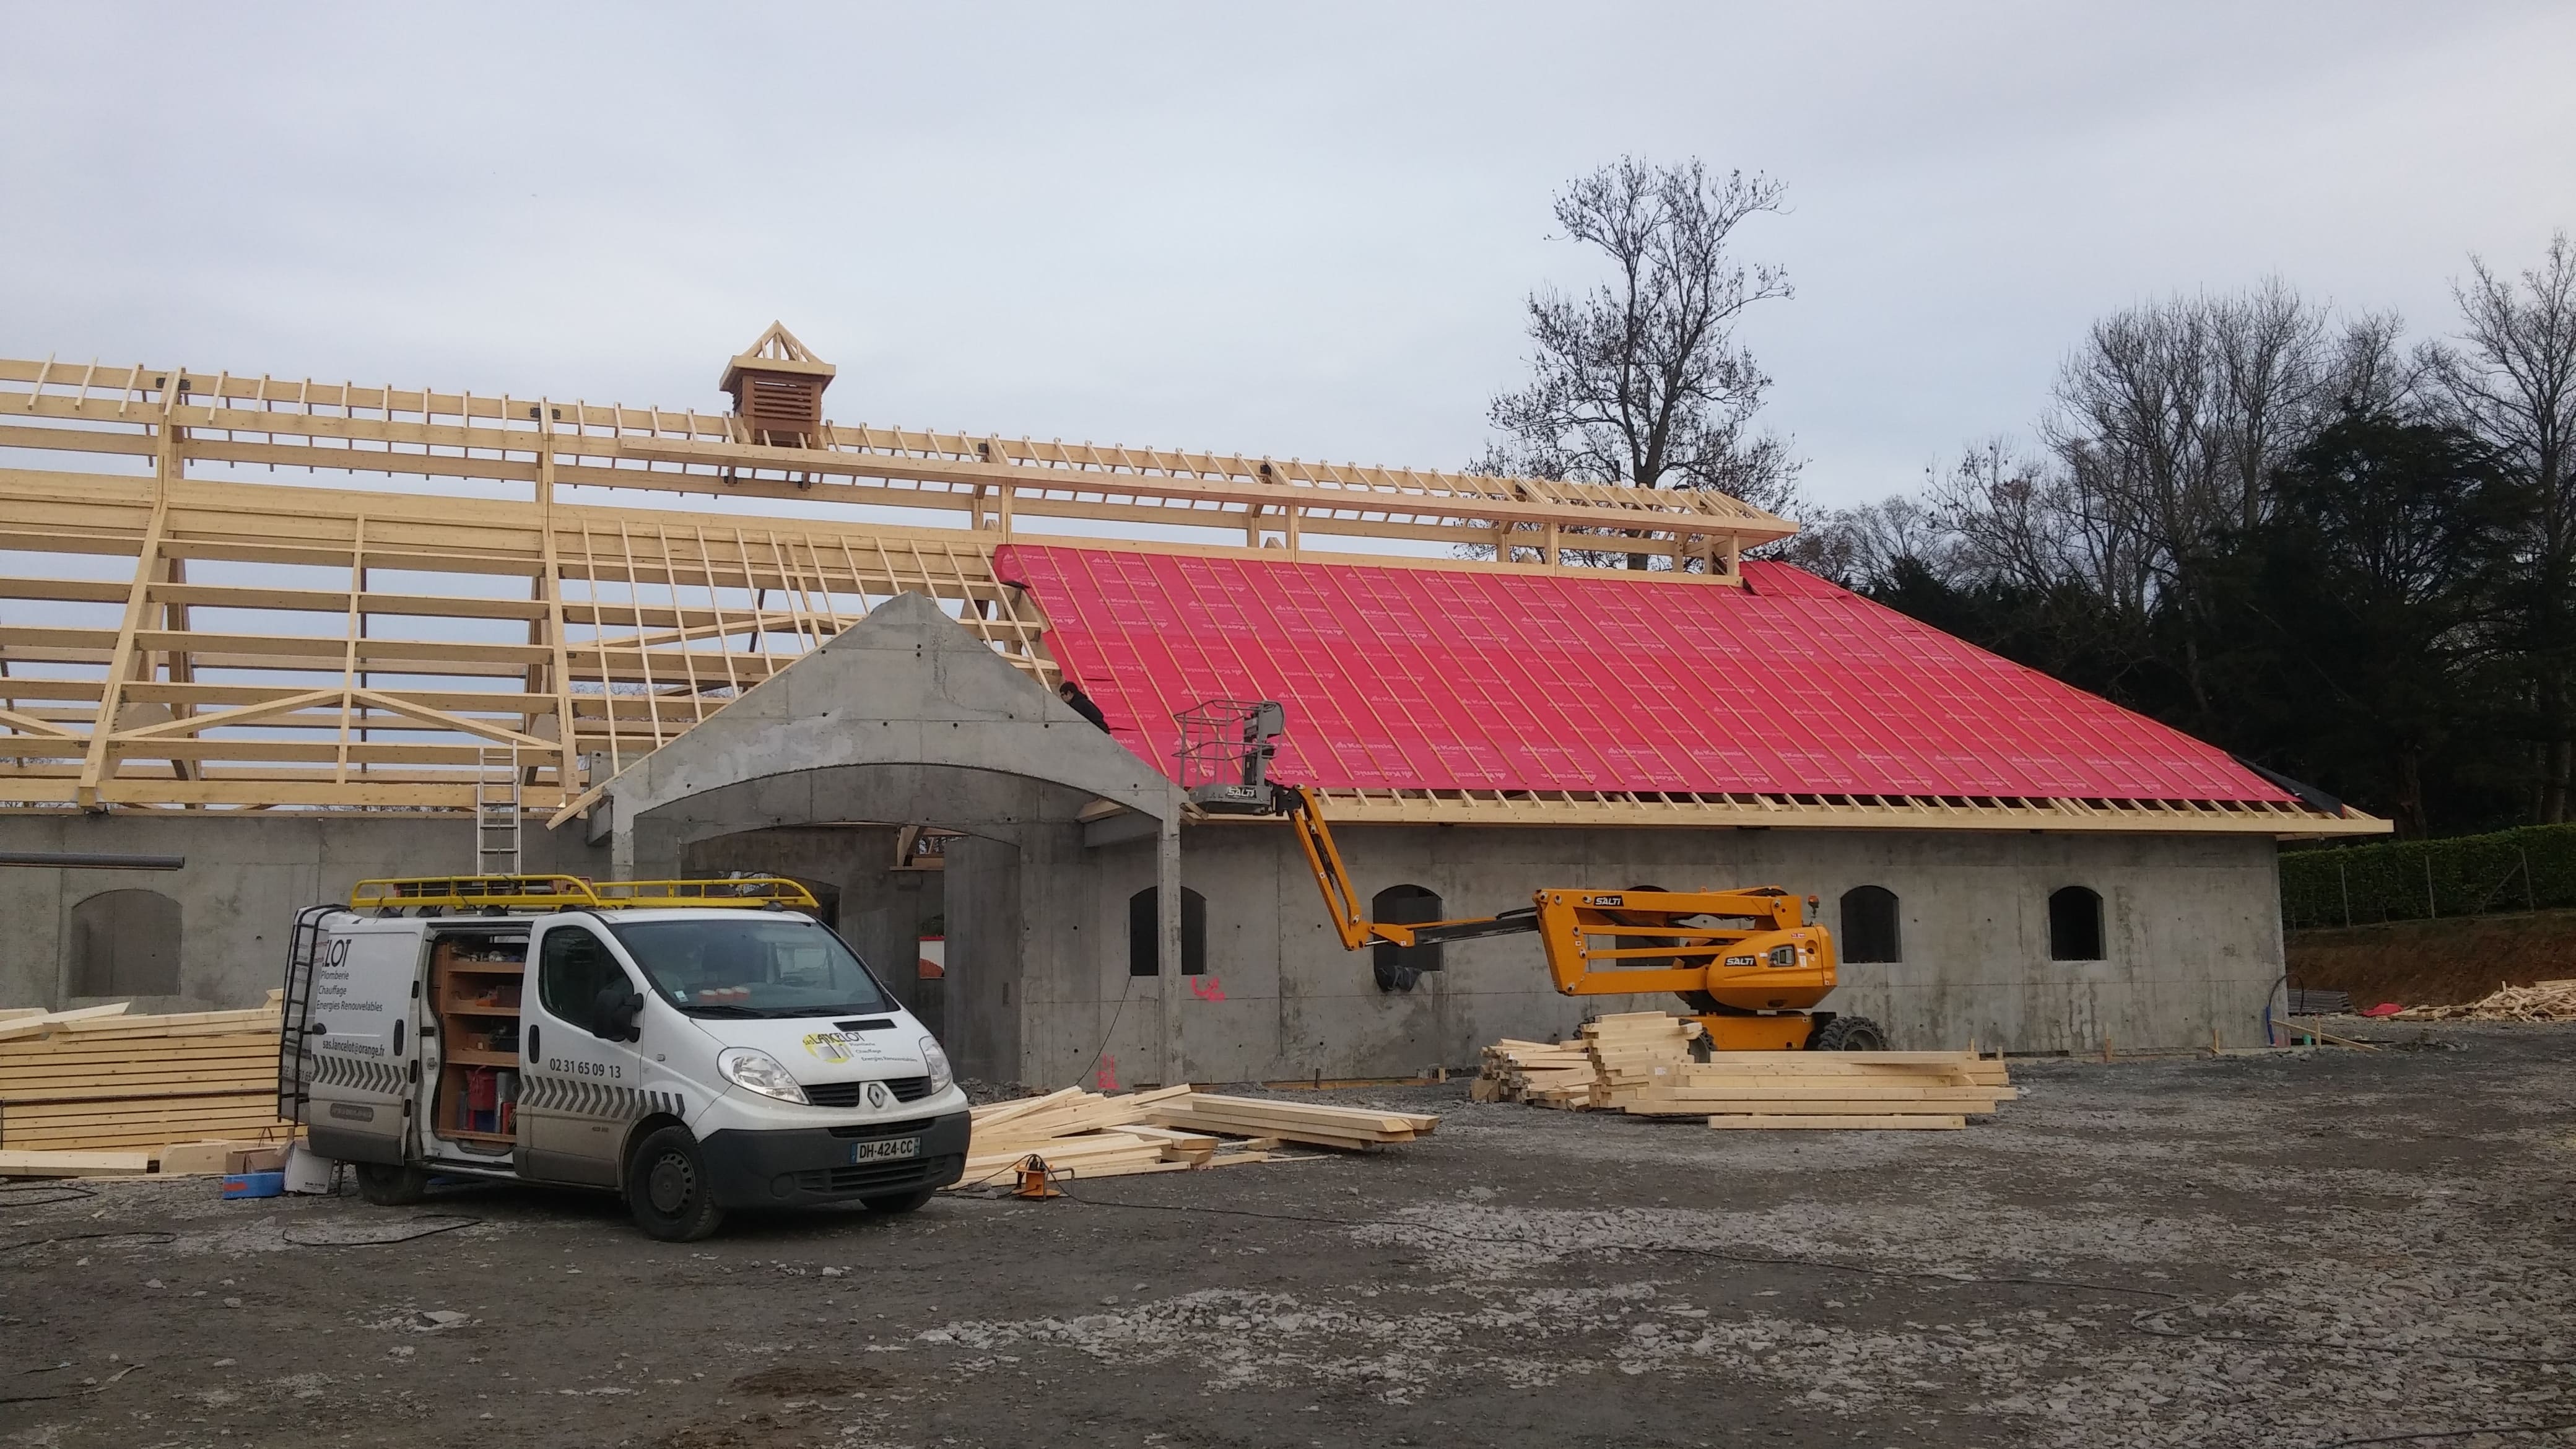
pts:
[777, 385]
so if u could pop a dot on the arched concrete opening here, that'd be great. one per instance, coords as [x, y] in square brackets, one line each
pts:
[907, 719]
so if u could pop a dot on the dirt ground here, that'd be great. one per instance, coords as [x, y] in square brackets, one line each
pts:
[2301, 1249]
[2435, 963]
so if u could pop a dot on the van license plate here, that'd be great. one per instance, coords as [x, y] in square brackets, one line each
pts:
[879, 1151]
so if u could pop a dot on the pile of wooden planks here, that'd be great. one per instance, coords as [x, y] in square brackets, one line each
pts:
[1614, 1054]
[1081, 1134]
[1641, 1063]
[1636, 1052]
[1829, 1089]
[1543, 1074]
[2540, 1001]
[101, 1090]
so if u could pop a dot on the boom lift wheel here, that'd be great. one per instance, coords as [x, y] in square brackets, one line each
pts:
[1848, 1034]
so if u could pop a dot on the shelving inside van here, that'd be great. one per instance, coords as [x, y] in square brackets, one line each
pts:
[476, 986]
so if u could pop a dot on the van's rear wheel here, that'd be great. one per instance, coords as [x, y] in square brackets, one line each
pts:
[900, 1202]
[392, 1186]
[668, 1188]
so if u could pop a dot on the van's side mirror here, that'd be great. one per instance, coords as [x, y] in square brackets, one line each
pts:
[614, 1011]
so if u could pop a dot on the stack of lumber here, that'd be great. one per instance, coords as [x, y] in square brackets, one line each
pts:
[1082, 1134]
[1543, 1074]
[1313, 1122]
[101, 1090]
[1616, 1054]
[1830, 1089]
[1636, 1052]
[2540, 1001]
[1641, 1063]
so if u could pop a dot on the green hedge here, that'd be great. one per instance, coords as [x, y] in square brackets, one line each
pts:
[2413, 880]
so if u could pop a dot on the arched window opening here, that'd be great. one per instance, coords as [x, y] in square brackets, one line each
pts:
[125, 943]
[1869, 930]
[1142, 959]
[1399, 967]
[2074, 925]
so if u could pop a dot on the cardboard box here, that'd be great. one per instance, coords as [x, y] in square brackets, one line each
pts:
[256, 1159]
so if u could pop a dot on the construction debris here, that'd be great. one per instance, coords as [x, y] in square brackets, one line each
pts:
[100, 1090]
[1079, 1134]
[1641, 1063]
[2540, 1001]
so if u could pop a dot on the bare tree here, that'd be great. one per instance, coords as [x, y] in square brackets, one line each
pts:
[2512, 381]
[1861, 547]
[1641, 380]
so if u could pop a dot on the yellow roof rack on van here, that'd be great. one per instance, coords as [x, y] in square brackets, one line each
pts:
[561, 892]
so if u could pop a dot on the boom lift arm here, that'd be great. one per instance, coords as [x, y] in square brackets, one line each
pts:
[1748, 962]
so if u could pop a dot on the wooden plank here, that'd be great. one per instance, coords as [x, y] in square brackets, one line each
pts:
[48, 1021]
[75, 1164]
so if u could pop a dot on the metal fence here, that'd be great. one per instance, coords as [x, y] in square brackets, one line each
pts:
[2533, 868]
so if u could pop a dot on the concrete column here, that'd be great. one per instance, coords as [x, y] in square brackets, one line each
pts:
[1167, 943]
[621, 848]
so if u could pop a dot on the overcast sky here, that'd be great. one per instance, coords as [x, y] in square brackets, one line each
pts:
[1305, 233]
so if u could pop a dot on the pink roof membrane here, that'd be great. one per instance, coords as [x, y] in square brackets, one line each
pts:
[1401, 677]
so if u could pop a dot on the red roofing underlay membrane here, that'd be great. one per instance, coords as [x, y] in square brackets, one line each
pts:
[1463, 678]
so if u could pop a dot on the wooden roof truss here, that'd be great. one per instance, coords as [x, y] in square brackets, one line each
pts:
[170, 640]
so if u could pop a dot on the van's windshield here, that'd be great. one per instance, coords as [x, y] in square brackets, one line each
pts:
[752, 965]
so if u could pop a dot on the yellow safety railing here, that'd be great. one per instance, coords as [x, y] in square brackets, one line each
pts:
[557, 892]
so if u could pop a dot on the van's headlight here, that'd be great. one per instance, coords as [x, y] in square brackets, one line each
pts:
[757, 1071]
[940, 1075]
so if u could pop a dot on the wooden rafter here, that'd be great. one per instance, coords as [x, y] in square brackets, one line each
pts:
[994, 482]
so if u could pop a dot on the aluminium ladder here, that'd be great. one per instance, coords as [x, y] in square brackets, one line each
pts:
[496, 811]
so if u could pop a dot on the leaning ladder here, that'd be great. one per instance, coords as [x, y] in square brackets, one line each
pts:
[304, 950]
[496, 811]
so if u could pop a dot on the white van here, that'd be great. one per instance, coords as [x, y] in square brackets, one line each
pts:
[696, 1046]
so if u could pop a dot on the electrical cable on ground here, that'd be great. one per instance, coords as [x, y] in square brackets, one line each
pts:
[17, 1197]
[447, 1223]
[2430, 1435]
[159, 1239]
[2139, 1324]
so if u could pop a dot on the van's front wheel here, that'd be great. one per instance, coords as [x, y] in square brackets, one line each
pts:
[391, 1186]
[668, 1188]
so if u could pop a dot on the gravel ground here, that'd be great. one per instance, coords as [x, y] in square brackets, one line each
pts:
[2297, 1249]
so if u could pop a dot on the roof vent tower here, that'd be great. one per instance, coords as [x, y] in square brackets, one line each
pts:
[777, 385]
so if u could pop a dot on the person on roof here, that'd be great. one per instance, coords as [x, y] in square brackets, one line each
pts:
[1071, 693]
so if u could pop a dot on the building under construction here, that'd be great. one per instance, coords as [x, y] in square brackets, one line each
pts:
[262, 637]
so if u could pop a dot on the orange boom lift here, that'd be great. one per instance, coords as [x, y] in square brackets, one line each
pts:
[1748, 962]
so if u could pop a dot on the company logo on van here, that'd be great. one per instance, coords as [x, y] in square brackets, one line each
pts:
[843, 1046]
[353, 1112]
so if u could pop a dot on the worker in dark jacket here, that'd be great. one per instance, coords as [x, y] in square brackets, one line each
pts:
[1071, 693]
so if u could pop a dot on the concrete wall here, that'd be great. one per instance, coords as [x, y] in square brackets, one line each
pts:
[246, 877]
[2192, 927]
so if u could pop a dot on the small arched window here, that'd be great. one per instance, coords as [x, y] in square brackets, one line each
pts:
[1869, 925]
[1399, 967]
[1142, 907]
[125, 943]
[2074, 925]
